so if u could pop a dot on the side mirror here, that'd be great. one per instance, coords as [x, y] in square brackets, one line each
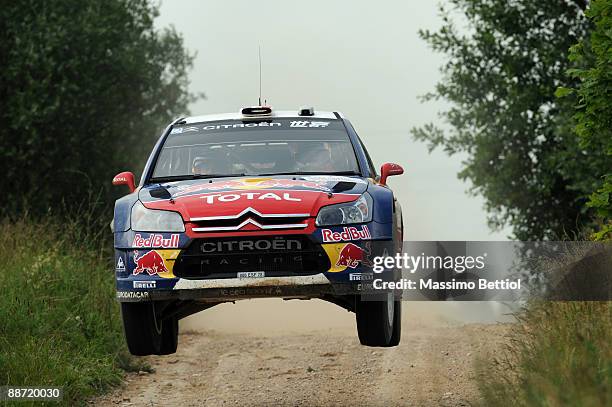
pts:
[388, 170]
[125, 178]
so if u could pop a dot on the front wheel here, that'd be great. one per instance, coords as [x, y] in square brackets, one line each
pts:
[379, 322]
[145, 332]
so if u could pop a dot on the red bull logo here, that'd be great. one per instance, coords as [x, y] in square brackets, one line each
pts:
[150, 262]
[350, 256]
[348, 233]
[155, 240]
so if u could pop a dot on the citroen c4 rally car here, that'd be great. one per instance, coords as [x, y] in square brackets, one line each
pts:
[255, 204]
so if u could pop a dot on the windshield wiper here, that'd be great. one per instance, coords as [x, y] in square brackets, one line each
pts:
[311, 173]
[171, 178]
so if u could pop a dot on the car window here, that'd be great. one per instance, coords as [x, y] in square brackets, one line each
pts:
[254, 148]
[370, 163]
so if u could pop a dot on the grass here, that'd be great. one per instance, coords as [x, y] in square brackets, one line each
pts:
[559, 354]
[59, 322]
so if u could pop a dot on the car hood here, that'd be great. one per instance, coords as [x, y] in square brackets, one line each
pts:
[282, 195]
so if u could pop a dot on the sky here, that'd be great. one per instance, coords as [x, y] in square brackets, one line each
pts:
[362, 58]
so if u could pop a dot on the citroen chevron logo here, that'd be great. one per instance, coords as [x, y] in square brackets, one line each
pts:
[250, 221]
[254, 212]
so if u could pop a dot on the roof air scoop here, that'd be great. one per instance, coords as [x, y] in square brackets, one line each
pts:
[256, 111]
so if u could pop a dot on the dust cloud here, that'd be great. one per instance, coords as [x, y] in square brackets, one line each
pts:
[270, 317]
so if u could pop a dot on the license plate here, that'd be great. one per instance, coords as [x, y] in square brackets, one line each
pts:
[252, 274]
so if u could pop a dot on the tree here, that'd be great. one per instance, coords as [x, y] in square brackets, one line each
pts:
[85, 89]
[593, 56]
[500, 79]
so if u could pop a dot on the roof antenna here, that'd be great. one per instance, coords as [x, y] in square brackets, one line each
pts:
[259, 75]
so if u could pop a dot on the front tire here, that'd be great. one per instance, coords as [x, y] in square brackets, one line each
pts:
[145, 333]
[376, 322]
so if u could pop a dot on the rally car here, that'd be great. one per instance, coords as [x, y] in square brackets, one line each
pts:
[255, 204]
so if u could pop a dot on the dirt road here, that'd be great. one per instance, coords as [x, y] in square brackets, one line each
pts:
[291, 363]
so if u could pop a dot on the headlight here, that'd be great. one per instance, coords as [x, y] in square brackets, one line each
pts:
[148, 220]
[358, 211]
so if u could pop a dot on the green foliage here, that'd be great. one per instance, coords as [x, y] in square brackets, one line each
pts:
[59, 322]
[559, 354]
[85, 88]
[593, 55]
[601, 200]
[500, 78]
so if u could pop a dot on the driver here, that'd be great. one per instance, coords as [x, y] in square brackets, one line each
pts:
[314, 157]
[210, 164]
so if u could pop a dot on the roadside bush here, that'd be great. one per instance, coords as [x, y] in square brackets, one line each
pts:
[594, 116]
[559, 354]
[59, 322]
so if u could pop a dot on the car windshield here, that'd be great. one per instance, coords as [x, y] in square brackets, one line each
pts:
[270, 147]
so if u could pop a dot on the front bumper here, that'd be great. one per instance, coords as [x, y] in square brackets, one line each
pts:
[314, 286]
[151, 274]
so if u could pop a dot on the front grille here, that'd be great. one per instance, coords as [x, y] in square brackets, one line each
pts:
[250, 216]
[222, 223]
[276, 256]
